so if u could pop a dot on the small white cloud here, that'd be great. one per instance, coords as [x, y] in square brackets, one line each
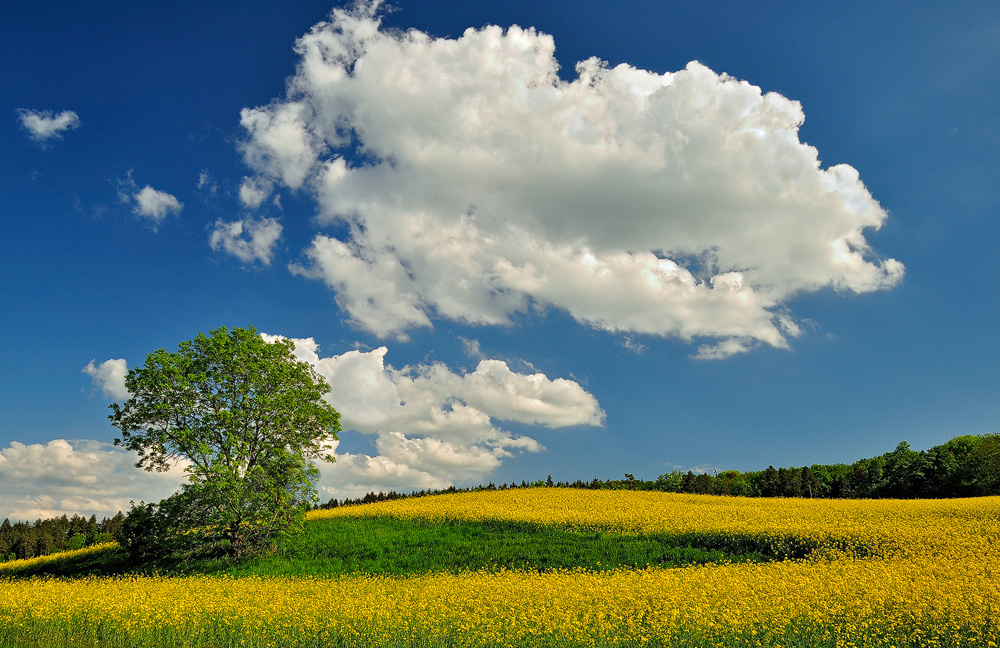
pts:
[154, 204]
[76, 477]
[248, 240]
[110, 377]
[431, 398]
[147, 202]
[43, 126]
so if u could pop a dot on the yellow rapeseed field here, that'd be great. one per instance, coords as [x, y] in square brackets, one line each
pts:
[55, 557]
[882, 573]
[878, 527]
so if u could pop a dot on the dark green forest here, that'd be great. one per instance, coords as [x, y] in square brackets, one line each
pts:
[965, 466]
[43, 537]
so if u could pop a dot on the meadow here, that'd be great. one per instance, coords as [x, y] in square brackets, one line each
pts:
[550, 567]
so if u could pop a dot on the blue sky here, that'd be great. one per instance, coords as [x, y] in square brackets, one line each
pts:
[506, 266]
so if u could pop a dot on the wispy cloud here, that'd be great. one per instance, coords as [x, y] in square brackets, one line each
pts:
[633, 346]
[207, 184]
[472, 348]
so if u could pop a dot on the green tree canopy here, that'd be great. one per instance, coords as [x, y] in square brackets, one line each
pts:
[246, 419]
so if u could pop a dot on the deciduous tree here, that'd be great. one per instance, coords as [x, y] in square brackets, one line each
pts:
[245, 419]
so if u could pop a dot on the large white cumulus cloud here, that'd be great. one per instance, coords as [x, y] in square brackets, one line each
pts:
[432, 426]
[476, 183]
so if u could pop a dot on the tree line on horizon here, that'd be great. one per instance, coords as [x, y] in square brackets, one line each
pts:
[965, 466]
[20, 540]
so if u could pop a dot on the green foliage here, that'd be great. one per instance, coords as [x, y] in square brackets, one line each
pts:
[150, 531]
[247, 419]
[139, 532]
[984, 464]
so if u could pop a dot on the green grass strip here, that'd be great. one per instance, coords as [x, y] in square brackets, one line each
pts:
[391, 546]
[402, 547]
